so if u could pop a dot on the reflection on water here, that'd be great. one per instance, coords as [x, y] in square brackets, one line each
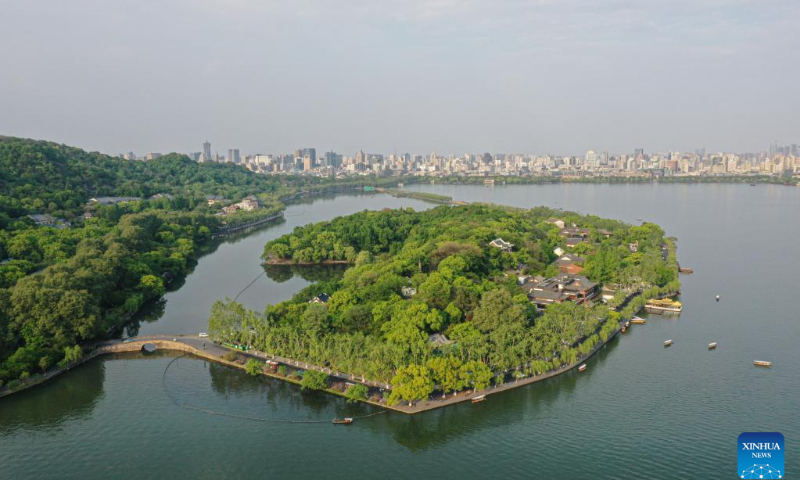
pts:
[640, 411]
[78, 391]
[309, 273]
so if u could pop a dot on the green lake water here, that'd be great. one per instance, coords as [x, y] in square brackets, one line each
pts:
[640, 411]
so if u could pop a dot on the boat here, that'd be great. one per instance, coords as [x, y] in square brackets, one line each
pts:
[686, 270]
[342, 421]
[623, 329]
[761, 363]
[712, 345]
[479, 399]
[668, 343]
[488, 182]
[638, 321]
[718, 298]
[753, 184]
[582, 368]
[663, 305]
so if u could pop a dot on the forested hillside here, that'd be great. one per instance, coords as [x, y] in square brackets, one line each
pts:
[70, 282]
[44, 177]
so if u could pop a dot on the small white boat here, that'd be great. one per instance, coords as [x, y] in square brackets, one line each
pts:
[718, 298]
[712, 345]
[668, 343]
[582, 368]
[479, 399]
[761, 363]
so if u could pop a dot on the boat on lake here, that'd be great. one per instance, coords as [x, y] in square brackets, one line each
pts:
[712, 345]
[668, 343]
[582, 368]
[663, 305]
[638, 321]
[342, 421]
[479, 399]
[761, 363]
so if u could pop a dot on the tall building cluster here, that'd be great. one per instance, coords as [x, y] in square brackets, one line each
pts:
[776, 160]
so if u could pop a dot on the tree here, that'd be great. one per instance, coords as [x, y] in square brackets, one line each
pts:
[411, 383]
[71, 355]
[253, 367]
[356, 393]
[497, 308]
[435, 291]
[44, 363]
[314, 380]
[477, 374]
[445, 373]
[152, 285]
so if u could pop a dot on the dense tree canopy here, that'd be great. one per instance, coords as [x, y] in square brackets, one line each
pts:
[428, 303]
[81, 279]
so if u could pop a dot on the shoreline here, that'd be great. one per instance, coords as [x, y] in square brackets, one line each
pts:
[162, 341]
[182, 344]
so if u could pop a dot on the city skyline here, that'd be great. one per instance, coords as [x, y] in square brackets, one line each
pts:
[561, 77]
[776, 160]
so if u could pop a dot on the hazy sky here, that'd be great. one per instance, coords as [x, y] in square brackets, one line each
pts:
[547, 76]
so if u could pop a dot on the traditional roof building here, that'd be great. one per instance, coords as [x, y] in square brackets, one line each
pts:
[322, 298]
[559, 289]
[501, 244]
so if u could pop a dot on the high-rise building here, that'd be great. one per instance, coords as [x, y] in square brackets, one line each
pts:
[312, 153]
[332, 159]
[207, 151]
[233, 155]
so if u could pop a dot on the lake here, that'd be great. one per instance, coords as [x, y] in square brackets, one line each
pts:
[640, 411]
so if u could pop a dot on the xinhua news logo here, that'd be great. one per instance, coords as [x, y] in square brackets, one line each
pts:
[761, 455]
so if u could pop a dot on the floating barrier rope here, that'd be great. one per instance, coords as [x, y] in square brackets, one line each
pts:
[233, 415]
[249, 285]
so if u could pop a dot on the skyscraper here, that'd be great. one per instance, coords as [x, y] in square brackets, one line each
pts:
[233, 155]
[311, 152]
[207, 151]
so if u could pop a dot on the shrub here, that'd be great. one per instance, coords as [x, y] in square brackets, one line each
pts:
[253, 367]
[356, 393]
[314, 380]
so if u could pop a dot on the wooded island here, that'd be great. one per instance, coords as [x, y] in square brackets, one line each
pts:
[455, 298]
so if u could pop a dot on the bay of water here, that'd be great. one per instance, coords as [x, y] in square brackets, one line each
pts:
[640, 411]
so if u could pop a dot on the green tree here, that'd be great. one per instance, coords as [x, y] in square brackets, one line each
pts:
[411, 383]
[314, 380]
[44, 364]
[435, 291]
[356, 393]
[476, 374]
[253, 367]
[497, 308]
[445, 372]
